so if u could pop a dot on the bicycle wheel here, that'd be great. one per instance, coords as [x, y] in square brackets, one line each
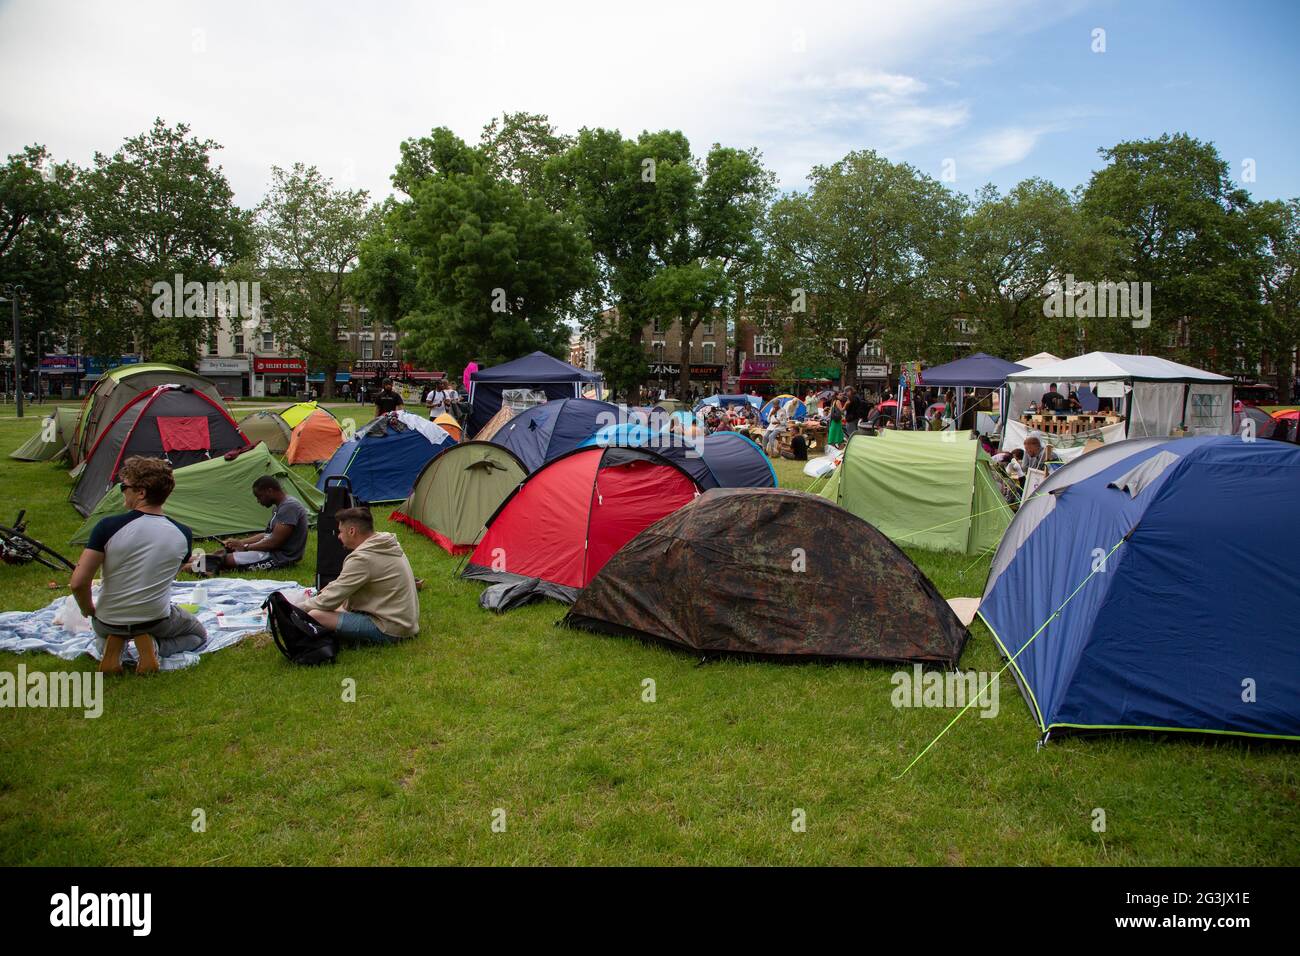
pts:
[42, 553]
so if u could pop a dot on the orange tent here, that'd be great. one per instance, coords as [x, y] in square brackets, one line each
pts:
[448, 424]
[316, 438]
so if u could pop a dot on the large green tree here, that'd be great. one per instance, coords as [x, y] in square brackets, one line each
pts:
[38, 251]
[857, 252]
[155, 208]
[309, 235]
[1015, 250]
[1280, 224]
[674, 236]
[496, 272]
[1178, 222]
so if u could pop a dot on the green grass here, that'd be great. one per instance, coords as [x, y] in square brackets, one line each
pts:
[484, 712]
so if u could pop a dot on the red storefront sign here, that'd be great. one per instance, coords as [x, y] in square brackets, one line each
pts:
[279, 366]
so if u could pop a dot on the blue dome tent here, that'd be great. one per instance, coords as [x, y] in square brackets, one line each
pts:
[800, 409]
[737, 462]
[383, 460]
[722, 401]
[1138, 590]
[545, 432]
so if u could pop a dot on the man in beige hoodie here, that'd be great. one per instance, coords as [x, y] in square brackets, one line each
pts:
[374, 597]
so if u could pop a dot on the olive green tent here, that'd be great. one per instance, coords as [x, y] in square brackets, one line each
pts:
[269, 427]
[929, 490]
[51, 439]
[458, 491]
[215, 497]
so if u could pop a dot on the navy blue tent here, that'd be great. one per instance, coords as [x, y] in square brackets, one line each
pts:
[737, 462]
[668, 444]
[383, 460]
[545, 432]
[537, 372]
[1170, 564]
[974, 371]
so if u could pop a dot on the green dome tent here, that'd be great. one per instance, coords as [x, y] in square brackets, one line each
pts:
[458, 491]
[268, 427]
[932, 490]
[215, 497]
[59, 426]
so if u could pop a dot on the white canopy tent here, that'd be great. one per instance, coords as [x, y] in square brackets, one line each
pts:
[1157, 397]
[1039, 360]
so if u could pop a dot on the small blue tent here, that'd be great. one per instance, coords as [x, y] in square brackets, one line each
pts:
[781, 401]
[722, 401]
[737, 462]
[383, 460]
[1168, 567]
[537, 372]
[545, 432]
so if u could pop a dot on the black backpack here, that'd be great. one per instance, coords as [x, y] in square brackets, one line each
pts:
[298, 637]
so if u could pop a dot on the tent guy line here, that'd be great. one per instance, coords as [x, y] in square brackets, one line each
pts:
[1097, 566]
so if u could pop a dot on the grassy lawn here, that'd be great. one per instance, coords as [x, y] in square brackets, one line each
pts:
[483, 713]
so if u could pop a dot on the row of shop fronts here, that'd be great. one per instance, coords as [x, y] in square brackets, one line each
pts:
[756, 377]
[256, 376]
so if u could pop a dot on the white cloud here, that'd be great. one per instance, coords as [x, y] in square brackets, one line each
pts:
[340, 85]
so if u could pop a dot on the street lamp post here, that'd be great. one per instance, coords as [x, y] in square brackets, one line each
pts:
[13, 292]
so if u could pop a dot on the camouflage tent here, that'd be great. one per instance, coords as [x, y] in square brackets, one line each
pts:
[772, 572]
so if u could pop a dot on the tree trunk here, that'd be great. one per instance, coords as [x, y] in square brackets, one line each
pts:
[332, 366]
[684, 374]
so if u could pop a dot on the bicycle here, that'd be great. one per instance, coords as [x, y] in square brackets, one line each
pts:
[16, 547]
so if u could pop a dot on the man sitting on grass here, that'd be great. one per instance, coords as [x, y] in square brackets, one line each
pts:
[140, 552]
[373, 599]
[280, 545]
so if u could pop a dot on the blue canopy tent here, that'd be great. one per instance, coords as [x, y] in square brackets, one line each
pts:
[383, 460]
[974, 371]
[537, 372]
[1149, 572]
[545, 432]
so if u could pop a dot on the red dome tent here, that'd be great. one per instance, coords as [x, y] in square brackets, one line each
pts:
[565, 520]
[176, 422]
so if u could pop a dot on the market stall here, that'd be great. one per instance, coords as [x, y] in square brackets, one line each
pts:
[1136, 396]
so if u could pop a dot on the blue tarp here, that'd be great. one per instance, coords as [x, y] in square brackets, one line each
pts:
[384, 466]
[1195, 611]
[545, 432]
[539, 371]
[974, 371]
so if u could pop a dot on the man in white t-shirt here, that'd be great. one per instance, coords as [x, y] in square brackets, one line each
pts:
[440, 398]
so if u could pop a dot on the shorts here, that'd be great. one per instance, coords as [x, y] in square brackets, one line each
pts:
[362, 627]
[253, 560]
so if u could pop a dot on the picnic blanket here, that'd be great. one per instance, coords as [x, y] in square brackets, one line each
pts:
[239, 601]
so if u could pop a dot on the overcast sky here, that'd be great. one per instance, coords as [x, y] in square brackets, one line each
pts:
[1003, 90]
